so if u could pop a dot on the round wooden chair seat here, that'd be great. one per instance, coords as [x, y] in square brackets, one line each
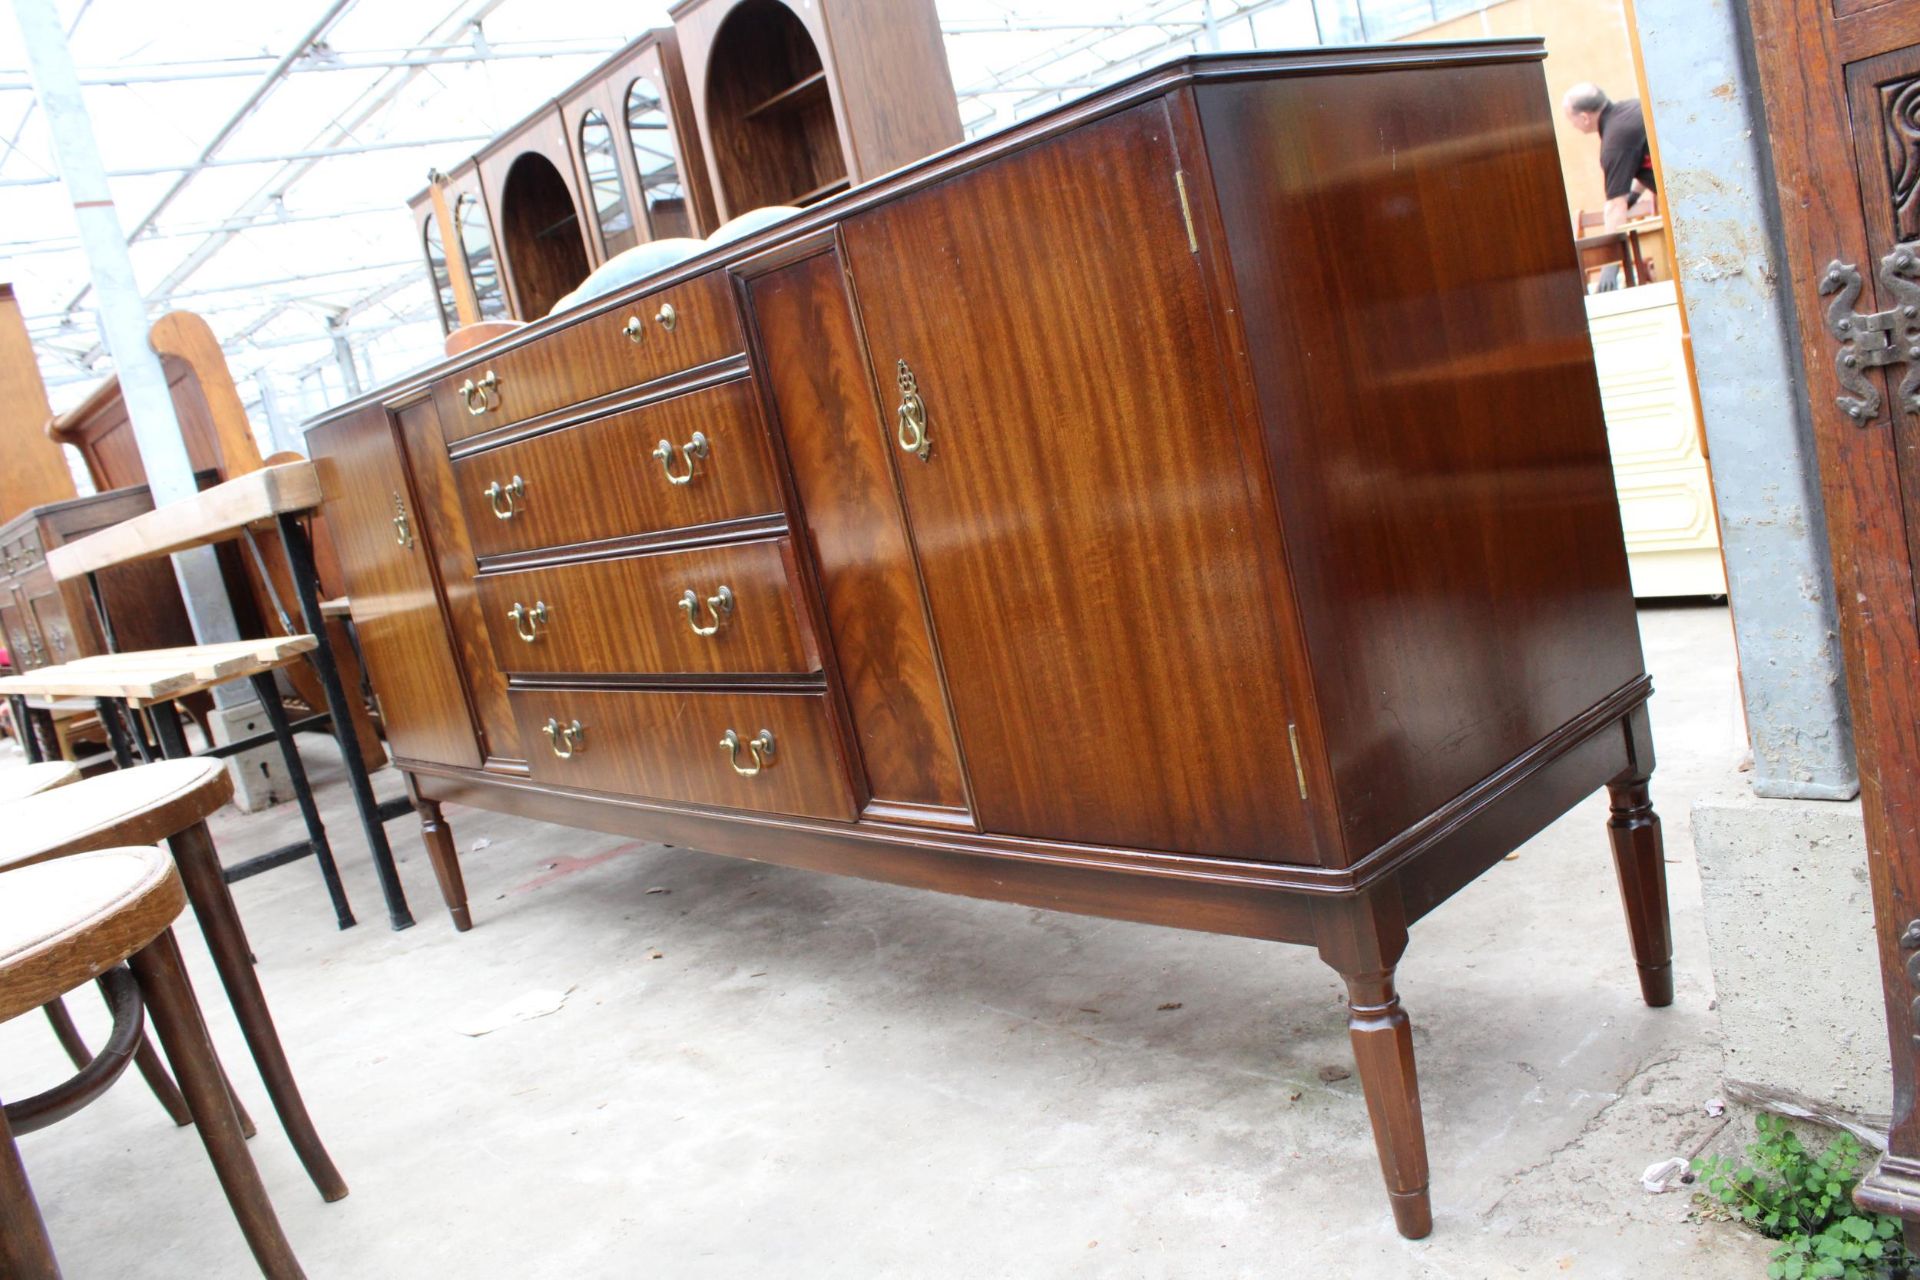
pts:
[32, 779]
[144, 805]
[66, 922]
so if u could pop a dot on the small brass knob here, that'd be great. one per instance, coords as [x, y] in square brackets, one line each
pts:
[634, 330]
[666, 316]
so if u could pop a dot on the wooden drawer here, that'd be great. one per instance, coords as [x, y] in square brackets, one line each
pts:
[629, 615]
[666, 745]
[601, 480]
[595, 357]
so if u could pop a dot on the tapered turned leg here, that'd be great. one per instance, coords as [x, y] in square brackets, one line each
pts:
[438, 837]
[199, 865]
[1383, 1051]
[1640, 858]
[176, 1018]
[1363, 939]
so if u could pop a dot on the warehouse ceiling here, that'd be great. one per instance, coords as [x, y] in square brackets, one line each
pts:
[261, 154]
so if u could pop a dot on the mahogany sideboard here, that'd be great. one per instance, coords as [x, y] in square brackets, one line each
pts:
[1188, 506]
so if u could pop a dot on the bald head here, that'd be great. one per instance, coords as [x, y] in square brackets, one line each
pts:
[1583, 104]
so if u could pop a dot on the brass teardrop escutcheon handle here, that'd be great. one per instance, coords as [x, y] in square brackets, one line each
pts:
[760, 747]
[527, 622]
[514, 491]
[481, 396]
[694, 448]
[402, 527]
[635, 331]
[566, 740]
[719, 609]
[912, 415]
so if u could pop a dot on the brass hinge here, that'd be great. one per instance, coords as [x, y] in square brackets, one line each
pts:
[1186, 210]
[1877, 339]
[1299, 770]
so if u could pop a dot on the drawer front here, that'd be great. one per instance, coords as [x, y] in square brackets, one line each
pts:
[667, 745]
[601, 479]
[662, 333]
[634, 615]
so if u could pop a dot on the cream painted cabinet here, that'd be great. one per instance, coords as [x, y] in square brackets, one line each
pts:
[1666, 499]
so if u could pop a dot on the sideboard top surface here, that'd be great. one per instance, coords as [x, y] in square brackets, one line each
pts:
[1160, 80]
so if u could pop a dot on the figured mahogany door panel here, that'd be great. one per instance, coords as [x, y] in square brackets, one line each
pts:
[1433, 419]
[669, 331]
[671, 745]
[601, 479]
[444, 527]
[396, 611]
[836, 446]
[632, 615]
[1089, 520]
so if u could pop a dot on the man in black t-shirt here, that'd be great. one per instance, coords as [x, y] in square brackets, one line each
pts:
[1624, 158]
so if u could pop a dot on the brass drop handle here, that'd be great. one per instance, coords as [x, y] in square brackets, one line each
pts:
[719, 608]
[483, 395]
[694, 448]
[514, 491]
[760, 746]
[635, 331]
[527, 622]
[912, 415]
[402, 527]
[666, 317]
[566, 740]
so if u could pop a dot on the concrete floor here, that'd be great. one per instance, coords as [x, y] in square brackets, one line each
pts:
[762, 1072]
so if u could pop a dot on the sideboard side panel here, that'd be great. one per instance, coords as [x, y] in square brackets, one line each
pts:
[440, 512]
[1413, 315]
[395, 606]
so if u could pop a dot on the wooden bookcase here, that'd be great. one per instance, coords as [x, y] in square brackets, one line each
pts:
[797, 102]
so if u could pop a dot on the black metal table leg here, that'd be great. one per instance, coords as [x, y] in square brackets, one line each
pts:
[23, 726]
[293, 537]
[166, 727]
[109, 712]
[269, 695]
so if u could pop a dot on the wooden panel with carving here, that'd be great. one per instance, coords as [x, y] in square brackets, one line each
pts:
[598, 480]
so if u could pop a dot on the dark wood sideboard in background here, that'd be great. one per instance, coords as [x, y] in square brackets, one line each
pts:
[1190, 506]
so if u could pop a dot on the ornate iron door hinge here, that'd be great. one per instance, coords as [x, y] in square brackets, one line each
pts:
[1879, 338]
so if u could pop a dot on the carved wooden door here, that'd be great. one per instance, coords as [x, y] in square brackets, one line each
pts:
[1842, 95]
[1092, 523]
